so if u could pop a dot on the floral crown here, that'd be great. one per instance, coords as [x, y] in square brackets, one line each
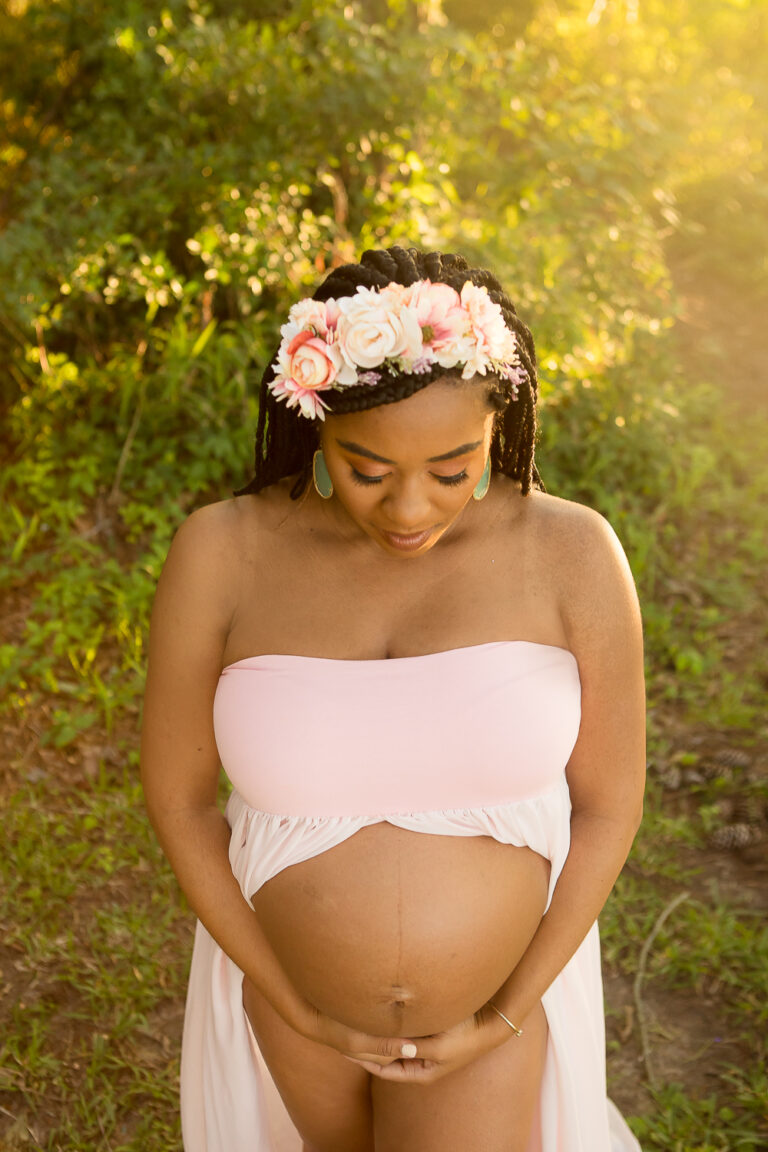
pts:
[338, 344]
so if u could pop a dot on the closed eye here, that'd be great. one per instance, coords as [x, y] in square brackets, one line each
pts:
[447, 481]
[361, 478]
[459, 478]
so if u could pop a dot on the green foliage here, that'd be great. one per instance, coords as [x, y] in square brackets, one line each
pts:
[150, 247]
[683, 1124]
[93, 922]
[171, 179]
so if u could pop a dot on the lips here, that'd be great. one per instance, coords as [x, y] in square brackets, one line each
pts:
[406, 543]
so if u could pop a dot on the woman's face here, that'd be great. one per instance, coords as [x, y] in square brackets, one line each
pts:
[404, 472]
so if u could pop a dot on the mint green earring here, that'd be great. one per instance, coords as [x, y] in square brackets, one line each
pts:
[322, 481]
[484, 482]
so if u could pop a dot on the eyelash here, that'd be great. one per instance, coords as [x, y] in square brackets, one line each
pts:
[446, 481]
[449, 481]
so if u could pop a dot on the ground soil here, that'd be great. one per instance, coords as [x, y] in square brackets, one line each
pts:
[721, 335]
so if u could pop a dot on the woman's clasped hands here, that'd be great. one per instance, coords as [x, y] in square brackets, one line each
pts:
[422, 1059]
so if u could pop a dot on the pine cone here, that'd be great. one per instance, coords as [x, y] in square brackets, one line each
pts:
[736, 835]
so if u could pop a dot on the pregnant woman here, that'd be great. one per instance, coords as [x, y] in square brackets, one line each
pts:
[423, 676]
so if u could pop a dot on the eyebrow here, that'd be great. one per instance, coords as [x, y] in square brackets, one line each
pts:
[360, 451]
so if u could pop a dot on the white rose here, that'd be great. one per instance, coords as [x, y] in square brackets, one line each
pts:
[373, 329]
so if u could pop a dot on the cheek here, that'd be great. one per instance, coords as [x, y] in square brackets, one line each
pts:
[459, 499]
[450, 500]
[359, 497]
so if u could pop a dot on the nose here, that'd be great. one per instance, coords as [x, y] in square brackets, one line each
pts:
[407, 506]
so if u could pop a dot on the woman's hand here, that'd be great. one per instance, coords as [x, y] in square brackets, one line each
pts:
[371, 1052]
[444, 1052]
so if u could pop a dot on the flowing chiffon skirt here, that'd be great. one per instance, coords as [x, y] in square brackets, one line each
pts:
[228, 1101]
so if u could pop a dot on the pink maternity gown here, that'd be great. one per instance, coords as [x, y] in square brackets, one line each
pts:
[505, 717]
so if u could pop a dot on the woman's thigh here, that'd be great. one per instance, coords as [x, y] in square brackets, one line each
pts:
[327, 1097]
[488, 1106]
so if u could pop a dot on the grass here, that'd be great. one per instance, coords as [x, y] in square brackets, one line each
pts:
[94, 957]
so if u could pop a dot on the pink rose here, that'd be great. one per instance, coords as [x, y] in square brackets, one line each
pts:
[374, 327]
[444, 324]
[494, 340]
[437, 305]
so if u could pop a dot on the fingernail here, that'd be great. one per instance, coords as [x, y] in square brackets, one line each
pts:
[408, 1050]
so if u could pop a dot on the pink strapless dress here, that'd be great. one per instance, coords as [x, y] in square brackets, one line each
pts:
[468, 742]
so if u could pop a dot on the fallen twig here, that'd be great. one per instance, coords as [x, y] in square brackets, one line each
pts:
[638, 985]
[18, 1124]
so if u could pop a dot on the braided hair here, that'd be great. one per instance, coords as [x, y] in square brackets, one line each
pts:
[287, 441]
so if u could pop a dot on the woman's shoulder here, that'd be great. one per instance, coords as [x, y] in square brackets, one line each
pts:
[212, 555]
[577, 547]
[228, 525]
[206, 537]
[567, 524]
[553, 522]
[590, 571]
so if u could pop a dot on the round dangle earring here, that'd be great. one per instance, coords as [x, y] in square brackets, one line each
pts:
[320, 477]
[484, 482]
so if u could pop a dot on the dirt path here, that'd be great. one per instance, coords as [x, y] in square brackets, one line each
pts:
[721, 336]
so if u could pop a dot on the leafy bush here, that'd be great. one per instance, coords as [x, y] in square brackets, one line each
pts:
[175, 179]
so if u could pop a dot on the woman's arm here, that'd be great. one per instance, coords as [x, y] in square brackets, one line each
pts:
[606, 771]
[606, 776]
[193, 613]
[191, 618]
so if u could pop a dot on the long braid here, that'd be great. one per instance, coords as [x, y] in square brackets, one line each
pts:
[286, 441]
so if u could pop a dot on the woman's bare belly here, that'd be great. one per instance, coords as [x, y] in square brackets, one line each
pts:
[403, 933]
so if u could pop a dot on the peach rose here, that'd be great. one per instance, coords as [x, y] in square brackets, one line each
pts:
[306, 314]
[309, 360]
